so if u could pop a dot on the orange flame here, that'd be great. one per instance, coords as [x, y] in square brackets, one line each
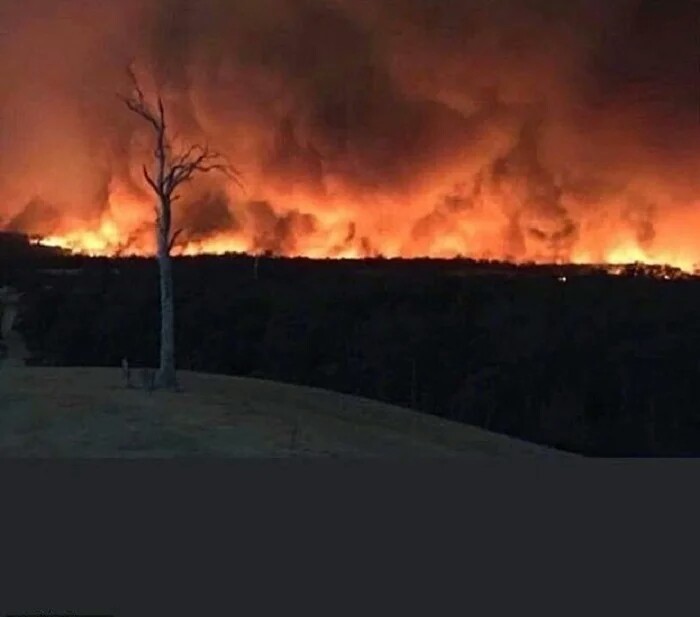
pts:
[415, 129]
[343, 229]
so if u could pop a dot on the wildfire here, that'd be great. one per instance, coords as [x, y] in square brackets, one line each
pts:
[111, 237]
[347, 226]
[99, 242]
[416, 129]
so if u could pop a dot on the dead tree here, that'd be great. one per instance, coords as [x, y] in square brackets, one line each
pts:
[169, 172]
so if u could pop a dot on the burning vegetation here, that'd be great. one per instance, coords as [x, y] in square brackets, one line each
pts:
[541, 132]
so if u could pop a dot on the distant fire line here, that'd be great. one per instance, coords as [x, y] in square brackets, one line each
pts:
[652, 270]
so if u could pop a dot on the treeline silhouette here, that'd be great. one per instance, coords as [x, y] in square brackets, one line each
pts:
[598, 364]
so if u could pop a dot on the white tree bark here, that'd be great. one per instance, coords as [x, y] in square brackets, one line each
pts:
[170, 172]
[166, 377]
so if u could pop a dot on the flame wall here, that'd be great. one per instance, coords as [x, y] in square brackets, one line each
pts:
[532, 130]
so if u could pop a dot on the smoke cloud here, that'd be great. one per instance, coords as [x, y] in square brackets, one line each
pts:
[528, 130]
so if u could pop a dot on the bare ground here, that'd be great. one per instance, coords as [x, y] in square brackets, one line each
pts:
[88, 412]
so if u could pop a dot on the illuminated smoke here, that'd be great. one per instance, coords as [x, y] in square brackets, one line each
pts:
[532, 130]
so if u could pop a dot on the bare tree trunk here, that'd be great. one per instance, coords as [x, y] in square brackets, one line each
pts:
[169, 172]
[166, 373]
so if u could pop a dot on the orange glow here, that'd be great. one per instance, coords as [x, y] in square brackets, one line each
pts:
[409, 129]
[126, 229]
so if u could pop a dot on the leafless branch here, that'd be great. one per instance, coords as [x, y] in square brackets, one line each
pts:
[136, 102]
[173, 170]
[150, 180]
[197, 158]
[171, 244]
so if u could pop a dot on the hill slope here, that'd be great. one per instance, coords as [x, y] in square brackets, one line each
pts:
[88, 412]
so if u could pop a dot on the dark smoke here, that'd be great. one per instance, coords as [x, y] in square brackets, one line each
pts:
[36, 218]
[274, 233]
[206, 214]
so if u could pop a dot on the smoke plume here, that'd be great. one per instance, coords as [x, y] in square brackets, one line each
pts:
[531, 130]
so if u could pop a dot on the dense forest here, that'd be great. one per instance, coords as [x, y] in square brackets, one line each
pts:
[568, 356]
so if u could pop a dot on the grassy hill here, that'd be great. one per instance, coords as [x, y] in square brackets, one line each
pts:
[88, 412]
